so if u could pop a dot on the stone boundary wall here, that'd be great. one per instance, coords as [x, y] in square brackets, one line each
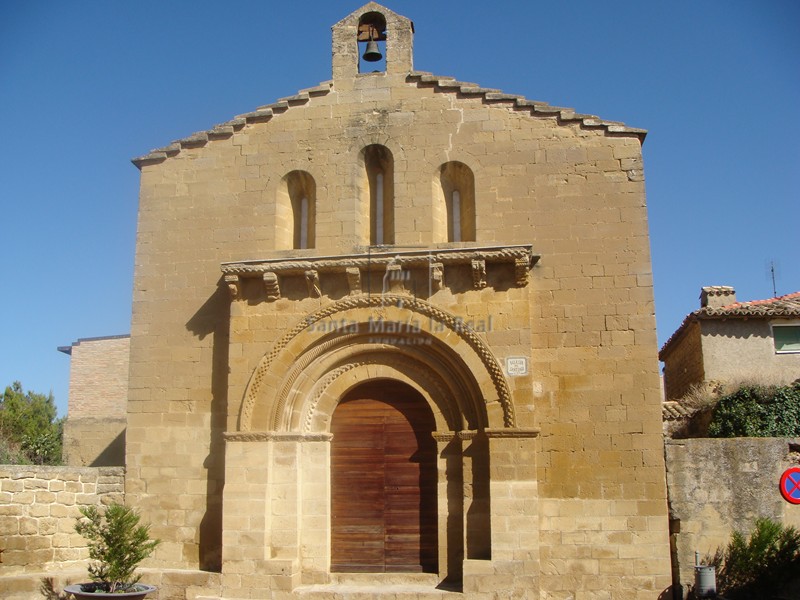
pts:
[38, 508]
[717, 486]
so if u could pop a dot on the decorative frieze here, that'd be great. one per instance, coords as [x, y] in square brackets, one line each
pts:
[396, 268]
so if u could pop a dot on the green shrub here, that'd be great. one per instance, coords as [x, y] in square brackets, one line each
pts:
[758, 566]
[758, 411]
[117, 544]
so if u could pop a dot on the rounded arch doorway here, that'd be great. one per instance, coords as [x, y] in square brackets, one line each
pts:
[383, 481]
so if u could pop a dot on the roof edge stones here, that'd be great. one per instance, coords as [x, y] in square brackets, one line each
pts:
[227, 129]
[517, 102]
[444, 83]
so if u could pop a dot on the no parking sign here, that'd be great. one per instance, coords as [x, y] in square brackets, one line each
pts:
[790, 485]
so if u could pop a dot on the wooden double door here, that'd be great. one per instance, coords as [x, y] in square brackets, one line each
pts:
[383, 481]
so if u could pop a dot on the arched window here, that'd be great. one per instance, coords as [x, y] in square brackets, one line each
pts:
[296, 210]
[379, 167]
[458, 192]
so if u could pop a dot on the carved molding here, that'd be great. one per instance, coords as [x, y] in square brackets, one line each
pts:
[397, 267]
[397, 361]
[513, 433]
[275, 436]
[416, 259]
[416, 305]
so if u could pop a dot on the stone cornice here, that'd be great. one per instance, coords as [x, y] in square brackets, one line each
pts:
[516, 102]
[407, 259]
[435, 260]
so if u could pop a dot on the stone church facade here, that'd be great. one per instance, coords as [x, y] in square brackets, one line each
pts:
[398, 330]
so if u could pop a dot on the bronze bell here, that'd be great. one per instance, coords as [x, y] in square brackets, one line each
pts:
[372, 53]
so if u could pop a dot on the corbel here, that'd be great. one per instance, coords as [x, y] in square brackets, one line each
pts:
[479, 273]
[354, 280]
[522, 267]
[271, 285]
[232, 281]
[436, 276]
[312, 281]
[396, 277]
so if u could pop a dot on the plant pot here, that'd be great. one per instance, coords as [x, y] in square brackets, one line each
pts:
[92, 591]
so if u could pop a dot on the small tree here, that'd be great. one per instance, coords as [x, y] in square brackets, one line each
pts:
[117, 542]
[29, 429]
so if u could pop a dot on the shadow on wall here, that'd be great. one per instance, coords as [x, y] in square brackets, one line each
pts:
[212, 318]
[113, 455]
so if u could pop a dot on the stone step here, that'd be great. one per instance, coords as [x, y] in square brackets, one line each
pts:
[378, 586]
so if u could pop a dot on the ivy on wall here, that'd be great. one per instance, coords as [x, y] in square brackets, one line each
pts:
[758, 411]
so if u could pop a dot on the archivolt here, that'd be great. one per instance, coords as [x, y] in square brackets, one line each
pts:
[449, 321]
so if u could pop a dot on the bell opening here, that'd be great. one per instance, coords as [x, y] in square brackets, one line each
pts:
[372, 43]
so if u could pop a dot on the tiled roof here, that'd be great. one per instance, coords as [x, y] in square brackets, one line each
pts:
[781, 306]
[674, 411]
[420, 78]
[787, 306]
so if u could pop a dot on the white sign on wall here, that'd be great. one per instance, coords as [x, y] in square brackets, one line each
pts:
[516, 366]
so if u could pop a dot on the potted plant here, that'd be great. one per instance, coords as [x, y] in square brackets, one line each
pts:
[117, 544]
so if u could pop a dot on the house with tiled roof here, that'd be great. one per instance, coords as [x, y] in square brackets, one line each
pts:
[726, 341]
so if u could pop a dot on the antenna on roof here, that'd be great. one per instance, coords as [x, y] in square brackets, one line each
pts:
[772, 274]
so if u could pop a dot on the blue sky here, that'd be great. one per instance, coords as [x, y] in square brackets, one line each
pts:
[87, 85]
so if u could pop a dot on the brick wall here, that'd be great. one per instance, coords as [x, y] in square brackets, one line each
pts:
[98, 378]
[94, 433]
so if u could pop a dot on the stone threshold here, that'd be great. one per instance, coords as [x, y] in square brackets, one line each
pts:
[378, 585]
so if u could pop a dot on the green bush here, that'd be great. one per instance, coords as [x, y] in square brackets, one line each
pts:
[117, 544]
[758, 411]
[759, 566]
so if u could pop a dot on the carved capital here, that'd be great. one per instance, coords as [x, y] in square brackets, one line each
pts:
[271, 286]
[512, 432]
